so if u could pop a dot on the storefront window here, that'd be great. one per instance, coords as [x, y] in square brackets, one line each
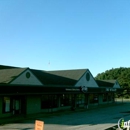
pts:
[6, 104]
[109, 97]
[80, 98]
[65, 100]
[93, 98]
[49, 101]
[105, 97]
[113, 96]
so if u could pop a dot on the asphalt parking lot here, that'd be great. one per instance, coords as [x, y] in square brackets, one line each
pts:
[92, 119]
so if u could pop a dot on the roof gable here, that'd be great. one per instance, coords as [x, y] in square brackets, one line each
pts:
[26, 78]
[87, 80]
[8, 75]
[116, 85]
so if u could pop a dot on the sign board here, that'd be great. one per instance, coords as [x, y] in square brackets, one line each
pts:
[39, 125]
[111, 89]
[72, 89]
[84, 89]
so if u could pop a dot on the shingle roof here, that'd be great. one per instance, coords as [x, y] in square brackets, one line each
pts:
[110, 81]
[60, 77]
[7, 67]
[71, 74]
[7, 75]
[105, 83]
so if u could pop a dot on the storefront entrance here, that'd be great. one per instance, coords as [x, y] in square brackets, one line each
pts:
[19, 105]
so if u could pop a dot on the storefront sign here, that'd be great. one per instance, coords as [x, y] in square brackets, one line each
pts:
[84, 89]
[39, 125]
[111, 89]
[72, 89]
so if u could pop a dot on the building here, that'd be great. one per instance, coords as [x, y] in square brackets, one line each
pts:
[27, 91]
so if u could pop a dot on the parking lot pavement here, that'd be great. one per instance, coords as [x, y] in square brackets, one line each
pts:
[92, 119]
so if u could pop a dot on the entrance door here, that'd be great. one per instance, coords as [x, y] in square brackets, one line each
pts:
[16, 106]
[19, 105]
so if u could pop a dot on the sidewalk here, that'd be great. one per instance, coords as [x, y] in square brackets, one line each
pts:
[96, 118]
[19, 118]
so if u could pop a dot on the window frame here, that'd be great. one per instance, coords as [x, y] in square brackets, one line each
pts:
[7, 102]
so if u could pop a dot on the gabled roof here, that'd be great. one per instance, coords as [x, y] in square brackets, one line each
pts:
[105, 83]
[71, 74]
[110, 81]
[7, 67]
[7, 75]
[60, 77]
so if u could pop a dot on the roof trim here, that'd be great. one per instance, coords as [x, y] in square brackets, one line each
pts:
[7, 67]
[93, 77]
[81, 77]
[18, 75]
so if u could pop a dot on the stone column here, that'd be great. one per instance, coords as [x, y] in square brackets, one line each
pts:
[113, 97]
[86, 101]
[100, 98]
[58, 101]
[73, 102]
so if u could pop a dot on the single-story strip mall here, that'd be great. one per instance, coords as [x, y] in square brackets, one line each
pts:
[28, 91]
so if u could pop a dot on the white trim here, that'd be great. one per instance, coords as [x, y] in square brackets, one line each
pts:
[22, 79]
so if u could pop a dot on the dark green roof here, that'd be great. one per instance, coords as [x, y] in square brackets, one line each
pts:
[70, 74]
[105, 83]
[110, 81]
[8, 75]
[7, 67]
[60, 77]
[64, 77]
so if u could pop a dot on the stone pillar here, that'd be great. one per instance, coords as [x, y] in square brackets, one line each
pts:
[73, 102]
[107, 97]
[86, 101]
[113, 97]
[58, 101]
[100, 98]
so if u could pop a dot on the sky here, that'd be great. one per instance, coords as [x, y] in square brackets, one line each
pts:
[65, 34]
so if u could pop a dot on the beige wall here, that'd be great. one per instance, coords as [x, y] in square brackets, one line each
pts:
[22, 79]
[84, 82]
[33, 104]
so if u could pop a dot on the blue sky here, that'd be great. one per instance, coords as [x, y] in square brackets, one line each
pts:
[65, 34]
